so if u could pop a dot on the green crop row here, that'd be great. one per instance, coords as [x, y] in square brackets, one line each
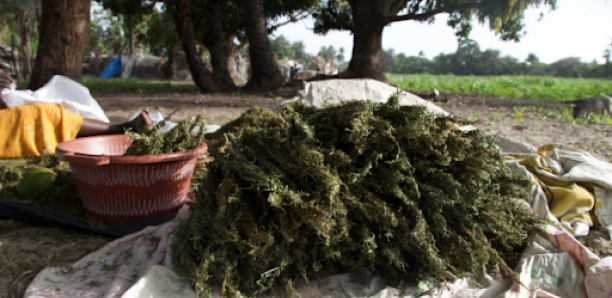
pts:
[545, 88]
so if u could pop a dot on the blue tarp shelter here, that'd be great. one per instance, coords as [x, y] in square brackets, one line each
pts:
[113, 69]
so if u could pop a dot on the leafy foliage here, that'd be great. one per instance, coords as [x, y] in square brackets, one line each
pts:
[132, 10]
[131, 14]
[159, 31]
[504, 17]
[106, 33]
[8, 19]
[468, 59]
[301, 191]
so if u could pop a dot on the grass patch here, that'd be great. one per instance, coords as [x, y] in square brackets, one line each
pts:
[132, 85]
[545, 88]
[137, 85]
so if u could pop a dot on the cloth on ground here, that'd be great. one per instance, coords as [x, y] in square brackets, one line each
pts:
[328, 92]
[73, 96]
[29, 130]
[127, 67]
[576, 187]
[140, 265]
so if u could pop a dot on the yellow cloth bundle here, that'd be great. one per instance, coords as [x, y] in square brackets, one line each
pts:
[31, 129]
[577, 187]
[568, 201]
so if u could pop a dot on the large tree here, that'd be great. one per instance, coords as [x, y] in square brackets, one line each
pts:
[265, 73]
[218, 23]
[366, 19]
[64, 35]
[213, 40]
[201, 76]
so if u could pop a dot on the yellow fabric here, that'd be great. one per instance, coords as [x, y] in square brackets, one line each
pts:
[568, 201]
[31, 129]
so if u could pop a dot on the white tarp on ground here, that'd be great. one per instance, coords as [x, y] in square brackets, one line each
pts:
[140, 265]
[127, 66]
[328, 92]
[61, 90]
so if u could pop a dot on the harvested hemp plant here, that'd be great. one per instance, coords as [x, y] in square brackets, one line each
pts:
[179, 138]
[302, 191]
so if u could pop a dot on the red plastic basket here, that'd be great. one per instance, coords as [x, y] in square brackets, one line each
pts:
[118, 189]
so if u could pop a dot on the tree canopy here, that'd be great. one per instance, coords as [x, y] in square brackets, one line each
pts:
[366, 19]
[504, 17]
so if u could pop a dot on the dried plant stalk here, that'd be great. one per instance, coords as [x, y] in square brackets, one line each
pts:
[180, 138]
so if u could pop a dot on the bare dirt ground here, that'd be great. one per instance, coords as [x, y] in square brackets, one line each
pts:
[219, 109]
[25, 249]
[540, 122]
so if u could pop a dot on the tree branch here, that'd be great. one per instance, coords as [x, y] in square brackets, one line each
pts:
[426, 15]
[298, 17]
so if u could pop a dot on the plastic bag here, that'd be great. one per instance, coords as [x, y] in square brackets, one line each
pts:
[73, 96]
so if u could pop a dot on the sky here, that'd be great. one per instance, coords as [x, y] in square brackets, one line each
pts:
[577, 28]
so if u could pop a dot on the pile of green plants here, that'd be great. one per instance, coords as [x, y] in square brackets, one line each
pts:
[302, 191]
[63, 192]
[180, 138]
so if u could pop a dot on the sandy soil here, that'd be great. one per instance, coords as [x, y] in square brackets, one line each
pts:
[26, 249]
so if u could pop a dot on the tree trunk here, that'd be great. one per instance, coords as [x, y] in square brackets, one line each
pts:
[265, 73]
[24, 22]
[367, 60]
[14, 58]
[201, 76]
[171, 68]
[132, 39]
[63, 40]
[213, 40]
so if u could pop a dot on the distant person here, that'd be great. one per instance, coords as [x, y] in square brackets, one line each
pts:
[29, 130]
[294, 71]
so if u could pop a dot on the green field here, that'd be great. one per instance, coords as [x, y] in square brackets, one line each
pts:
[545, 88]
